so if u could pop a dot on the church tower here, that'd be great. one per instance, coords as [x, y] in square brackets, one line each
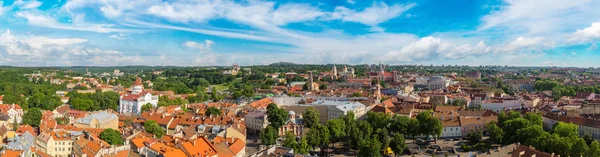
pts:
[138, 86]
[310, 82]
[378, 92]
[334, 71]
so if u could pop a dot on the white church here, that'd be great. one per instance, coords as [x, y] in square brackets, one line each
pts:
[132, 101]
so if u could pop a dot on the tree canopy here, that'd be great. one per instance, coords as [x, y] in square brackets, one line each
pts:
[113, 137]
[153, 128]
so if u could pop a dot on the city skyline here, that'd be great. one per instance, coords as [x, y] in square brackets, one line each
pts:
[257, 32]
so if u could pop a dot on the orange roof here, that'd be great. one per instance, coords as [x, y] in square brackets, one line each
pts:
[237, 146]
[139, 142]
[25, 128]
[388, 103]
[224, 150]
[12, 153]
[262, 103]
[199, 146]
[138, 82]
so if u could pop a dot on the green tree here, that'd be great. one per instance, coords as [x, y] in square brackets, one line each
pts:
[302, 147]
[147, 107]
[474, 137]
[370, 147]
[588, 138]
[511, 127]
[566, 129]
[337, 128]
[32, 117]
[153, 128]
[318, 136]
[397, 144]
[213, 111]
[268, 135]
[323, 86]
[594, 150]
[378, 119]
[311, 117]
[579, 148]
[429, 125]
[290, 140]
[113, 137]
[534, 118]
[495, 132]
[276, 116]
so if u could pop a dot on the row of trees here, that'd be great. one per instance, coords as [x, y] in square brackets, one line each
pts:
[95, 101]
[563, 139]
[369, 138]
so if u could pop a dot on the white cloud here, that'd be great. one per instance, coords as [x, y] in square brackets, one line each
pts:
[590, 33]
[40, 50]
[541, 17]
[41, 20]
[429, 48]
[180, 11]
[351, 1]
[119, 36]
[27, 4]
[2, 8]
[372, 16]
[526, 44]
[574, 53]
[204, 47]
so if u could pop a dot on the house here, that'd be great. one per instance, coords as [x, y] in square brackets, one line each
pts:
[450, 123]
[102, 119]
[585, 95]
[132, 101]
[21, 142]
[256, 121]
[471, 124]
[58, 143]
[497, 104]
[199, 147]
[14, 111]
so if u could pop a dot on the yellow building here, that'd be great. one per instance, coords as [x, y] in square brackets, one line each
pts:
[55, 143]
[100, 119]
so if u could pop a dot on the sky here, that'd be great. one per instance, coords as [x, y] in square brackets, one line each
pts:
[259, 32]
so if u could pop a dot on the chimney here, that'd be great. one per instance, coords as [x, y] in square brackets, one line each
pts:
[194, 143]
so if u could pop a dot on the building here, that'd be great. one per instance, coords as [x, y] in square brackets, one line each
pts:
[20, 142]
[437, 82]
[55, 143]
[384, 76]
[294, 124]
[235, 69]
[472, 124]
[100, 119]
[256, 121]
[497, 104]
[132, 101]
[329, 109]
[14, 111]
[1, 97]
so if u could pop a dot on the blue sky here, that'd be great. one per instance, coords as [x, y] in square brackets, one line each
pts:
[251, 32]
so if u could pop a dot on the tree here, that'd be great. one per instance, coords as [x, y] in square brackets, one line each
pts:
[511, 127]
[495, 132]
[397, 144]
[276, 116]
[32, 117]
[474, 137]
[113, 137]
[318, 136]
[429, 125]
[213, 111]
[566, 129]
[311, 117]
[147, 107]
[588, 138]
[337, 129]
[268, 135]
[302, 147]
[579, 148]
[370, 147]
[594, 150]
[290, 140]
[378, 119]
[153, 128]
[323, 86]
[534, 118]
